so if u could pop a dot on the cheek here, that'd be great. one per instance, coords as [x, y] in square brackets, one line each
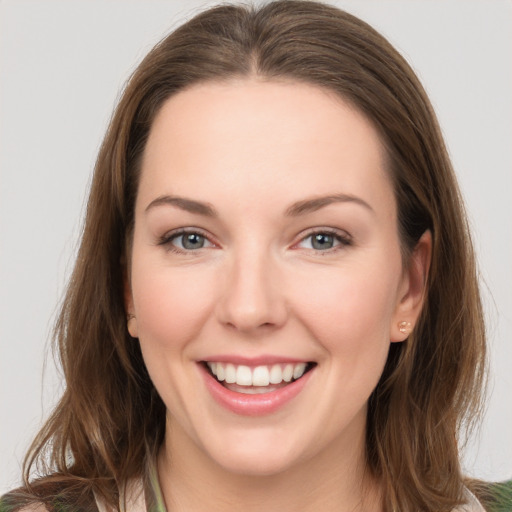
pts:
[350, 311]
[349, 316]
[171, 304]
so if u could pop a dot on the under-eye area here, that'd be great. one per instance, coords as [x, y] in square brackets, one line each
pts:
[262, 378]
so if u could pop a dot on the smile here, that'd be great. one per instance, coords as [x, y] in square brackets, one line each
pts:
[259, 376]
[255, 390]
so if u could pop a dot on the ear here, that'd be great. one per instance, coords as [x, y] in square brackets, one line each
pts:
[412, 291]
[131, 319]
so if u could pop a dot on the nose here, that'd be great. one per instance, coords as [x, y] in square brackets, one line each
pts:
[252, 299]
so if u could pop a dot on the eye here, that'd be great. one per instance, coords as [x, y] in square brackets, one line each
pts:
[184, 241]
[324, 240]
[190, 241]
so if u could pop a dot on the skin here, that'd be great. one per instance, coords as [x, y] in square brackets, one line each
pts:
[250, 149]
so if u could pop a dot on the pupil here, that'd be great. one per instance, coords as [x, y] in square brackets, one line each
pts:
[193, 241]
[322, 241]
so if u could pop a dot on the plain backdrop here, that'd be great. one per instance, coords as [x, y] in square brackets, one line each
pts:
[62, 67]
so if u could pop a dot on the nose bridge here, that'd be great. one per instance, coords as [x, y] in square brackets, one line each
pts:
[252, 297]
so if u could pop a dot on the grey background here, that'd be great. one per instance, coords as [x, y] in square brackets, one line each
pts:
[62, 66]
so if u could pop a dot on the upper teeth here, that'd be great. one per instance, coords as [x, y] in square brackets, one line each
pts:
[258, 375]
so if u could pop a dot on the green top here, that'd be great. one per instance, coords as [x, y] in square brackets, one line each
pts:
[500, 497]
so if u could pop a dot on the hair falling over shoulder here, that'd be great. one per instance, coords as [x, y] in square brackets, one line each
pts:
[110, 418]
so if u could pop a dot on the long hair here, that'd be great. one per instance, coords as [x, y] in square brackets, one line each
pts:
[110, 417]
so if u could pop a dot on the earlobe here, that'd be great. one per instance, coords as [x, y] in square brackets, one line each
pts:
[131, 325]
[131, 319]
[413, 291]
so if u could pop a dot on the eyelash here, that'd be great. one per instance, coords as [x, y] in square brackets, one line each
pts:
[343, 239]
[168, 238]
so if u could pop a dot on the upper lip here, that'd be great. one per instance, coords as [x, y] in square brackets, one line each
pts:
[253, 361]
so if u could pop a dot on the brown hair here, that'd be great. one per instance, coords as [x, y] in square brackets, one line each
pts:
[111, 418]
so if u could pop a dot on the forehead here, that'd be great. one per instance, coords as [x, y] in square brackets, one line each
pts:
[247, 137]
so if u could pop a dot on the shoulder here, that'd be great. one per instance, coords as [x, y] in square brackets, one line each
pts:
[41, 506]
[48, 498]
[492, 497]
[471, 505]
[498, 497]
[16, 501]
[70, 495]
[132, 495]
[33, 507]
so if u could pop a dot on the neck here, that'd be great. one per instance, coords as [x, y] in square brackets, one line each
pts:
[334, 480]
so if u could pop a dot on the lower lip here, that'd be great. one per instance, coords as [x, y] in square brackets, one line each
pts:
[253, 405]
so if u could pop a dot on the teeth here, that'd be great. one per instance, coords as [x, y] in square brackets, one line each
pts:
[230, 373]
[261, 376]
[256, 376]
[288, 373]
[298, 370]
[276, 374]
[244, 376]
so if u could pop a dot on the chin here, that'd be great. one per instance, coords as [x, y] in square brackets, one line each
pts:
[259, 455]
[262, 464]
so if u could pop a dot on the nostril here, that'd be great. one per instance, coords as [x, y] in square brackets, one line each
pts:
[250, 301]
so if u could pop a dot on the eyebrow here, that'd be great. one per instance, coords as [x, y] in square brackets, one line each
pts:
[296, 209]
[183, 203]
[316, 203]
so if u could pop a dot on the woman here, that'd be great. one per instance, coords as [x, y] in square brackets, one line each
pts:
[275, 301]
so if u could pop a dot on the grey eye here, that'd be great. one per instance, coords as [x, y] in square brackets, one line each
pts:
[191, 241]
[322, 241]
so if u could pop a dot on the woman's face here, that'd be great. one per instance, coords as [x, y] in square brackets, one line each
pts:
[266, 251]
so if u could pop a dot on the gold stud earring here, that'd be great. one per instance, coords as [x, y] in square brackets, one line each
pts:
[404, 327]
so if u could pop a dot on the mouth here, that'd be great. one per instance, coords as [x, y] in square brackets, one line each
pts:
[259, 379]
